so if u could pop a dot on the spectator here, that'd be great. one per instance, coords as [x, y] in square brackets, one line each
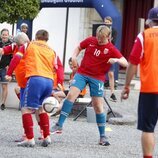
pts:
[144, 52]
[108, 22]
[24, 28]
[4, 62]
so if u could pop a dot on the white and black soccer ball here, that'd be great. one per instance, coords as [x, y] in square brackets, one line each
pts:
[50, 105]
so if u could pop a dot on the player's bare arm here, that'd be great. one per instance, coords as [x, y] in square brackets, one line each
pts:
[121, 61]
[131, 71]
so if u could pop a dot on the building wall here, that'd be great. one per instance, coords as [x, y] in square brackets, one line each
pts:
[156, 3]
[80, 23]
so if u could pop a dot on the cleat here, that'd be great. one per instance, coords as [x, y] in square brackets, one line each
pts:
[46, 141]
[113, 97]
[56, 129]
[103, 141]
[27, 143]
[21, 139]
[3, 107]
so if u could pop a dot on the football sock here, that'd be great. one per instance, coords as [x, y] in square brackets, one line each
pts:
[18, 95]
[28, 125]
[65, 111]
[100, 119]
[44, 124]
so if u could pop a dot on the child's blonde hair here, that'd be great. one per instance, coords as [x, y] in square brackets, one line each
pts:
[103, 30]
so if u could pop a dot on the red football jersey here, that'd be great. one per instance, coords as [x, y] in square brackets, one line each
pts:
[94, 62]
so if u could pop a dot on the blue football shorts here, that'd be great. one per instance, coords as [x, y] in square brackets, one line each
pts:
[37, 89]
[96, 86]
[147, 112]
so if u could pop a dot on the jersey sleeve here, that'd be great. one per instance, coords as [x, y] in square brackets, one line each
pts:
[60, 72]
[84, 44]
[115, 52]
[16, 60]
[13, 64]
[137, 50]
[9, 49]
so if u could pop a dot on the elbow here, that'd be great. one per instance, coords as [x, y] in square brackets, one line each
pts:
[124, 62]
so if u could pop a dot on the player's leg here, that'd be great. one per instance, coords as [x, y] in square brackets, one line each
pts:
[45, 91]
[147, 119]
[26, 119]
[4, 88]
[28, 128]
[112, 83]
[75, 88]
[148, 143]
[4, 95]
[96, 92]
[36, 90]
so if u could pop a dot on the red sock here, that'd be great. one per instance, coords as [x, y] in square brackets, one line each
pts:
[28, 125]
[147, 156]
[44, 123]
[18, 95]
[40, 126]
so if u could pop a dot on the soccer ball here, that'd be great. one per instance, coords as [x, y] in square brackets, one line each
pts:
[50, 105]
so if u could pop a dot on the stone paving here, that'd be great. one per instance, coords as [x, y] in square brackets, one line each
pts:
[79, 138]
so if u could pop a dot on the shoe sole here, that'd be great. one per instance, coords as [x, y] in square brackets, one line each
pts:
[56, 132]
[45, 143]
[19, 140]
[3, 108]
[113, 100]
[104, 144]
[26, 145]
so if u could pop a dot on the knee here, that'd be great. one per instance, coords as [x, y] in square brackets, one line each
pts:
[98, 109]
[111, 74]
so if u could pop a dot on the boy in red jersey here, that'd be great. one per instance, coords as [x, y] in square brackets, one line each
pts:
[98, 57]
[144, 52]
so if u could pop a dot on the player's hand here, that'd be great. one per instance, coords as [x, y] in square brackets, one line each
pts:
[60, 87]
[8, 78]
[113, 60]
[1, 51]
[125, 93]
[74, 63]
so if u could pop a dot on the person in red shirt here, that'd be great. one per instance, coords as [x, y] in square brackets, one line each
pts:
[58, 86]
[39, 61]
[144, 52]
[98, 57]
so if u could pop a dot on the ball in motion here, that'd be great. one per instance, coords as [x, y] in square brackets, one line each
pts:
[50, 105]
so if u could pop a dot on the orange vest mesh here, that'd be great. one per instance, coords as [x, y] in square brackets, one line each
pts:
[39, 60]
[149, 63]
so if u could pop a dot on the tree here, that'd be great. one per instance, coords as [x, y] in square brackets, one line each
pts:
[13, 10]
